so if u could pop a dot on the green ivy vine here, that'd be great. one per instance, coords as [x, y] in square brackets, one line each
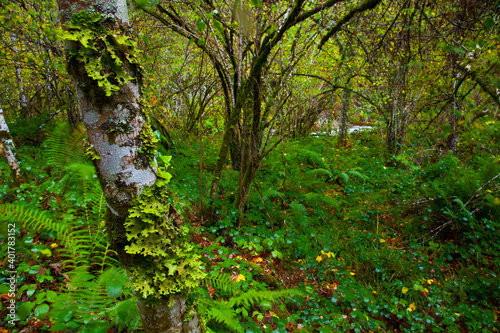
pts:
[101, 50]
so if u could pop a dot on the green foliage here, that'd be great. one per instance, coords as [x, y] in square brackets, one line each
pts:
[67, 272]
[64, 147]
[100, 50]
[225, 310]
[160, 241]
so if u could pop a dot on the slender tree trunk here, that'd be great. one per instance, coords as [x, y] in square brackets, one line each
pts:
[7, 149]
[114, 123]
[344, 116]
[19, 79]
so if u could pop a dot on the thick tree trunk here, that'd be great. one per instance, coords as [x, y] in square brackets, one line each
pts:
[114, 122]
[7, 149]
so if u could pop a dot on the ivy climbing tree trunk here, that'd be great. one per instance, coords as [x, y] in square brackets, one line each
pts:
[108, 97]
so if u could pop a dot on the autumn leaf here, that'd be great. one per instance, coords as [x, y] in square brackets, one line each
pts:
[404, 290]
[412, 307]
[319, 258]
[240, 277]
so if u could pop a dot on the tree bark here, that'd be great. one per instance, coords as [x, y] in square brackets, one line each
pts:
[7, 149]
[114, 122]
[19, 78]
[344, 115]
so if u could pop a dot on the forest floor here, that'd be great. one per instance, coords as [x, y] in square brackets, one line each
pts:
[332, 239]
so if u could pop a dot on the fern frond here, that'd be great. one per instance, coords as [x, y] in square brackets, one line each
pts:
[64, 147]
[253, 296]
[315, 198]
[320, 172]
[343, 177]
[357, 174]
[312, 158]
[219, 312]
[35, 218]
[223, 282]
[271, 194]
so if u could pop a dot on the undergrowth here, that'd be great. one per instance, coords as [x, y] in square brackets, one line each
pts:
[330, 240]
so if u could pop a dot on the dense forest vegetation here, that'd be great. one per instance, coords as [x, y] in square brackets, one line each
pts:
[250, 166]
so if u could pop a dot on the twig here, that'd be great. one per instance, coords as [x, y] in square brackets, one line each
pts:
[485, 184]
[265, 206]
[419, 202]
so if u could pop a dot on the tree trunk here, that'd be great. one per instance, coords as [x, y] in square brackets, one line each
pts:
[115, 127]
[344, 115]
[7, 149]
[19, 78]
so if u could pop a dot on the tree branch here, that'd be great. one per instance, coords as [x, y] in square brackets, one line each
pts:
[366, 5]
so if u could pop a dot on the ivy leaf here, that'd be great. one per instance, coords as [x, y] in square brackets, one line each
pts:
[219, 26]
[489, 23]
[256, 3]
[200, 26]
[25, 309]
[41, 311]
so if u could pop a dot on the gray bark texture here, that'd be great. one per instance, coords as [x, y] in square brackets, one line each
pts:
[114, 125]
[7, 149]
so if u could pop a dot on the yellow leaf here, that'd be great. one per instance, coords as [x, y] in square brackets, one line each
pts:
[352, 273]
[319, 258]
[405, 290]
[412, 307]
[240, 277]
[382, 241]
[53, 245]
[328, 254]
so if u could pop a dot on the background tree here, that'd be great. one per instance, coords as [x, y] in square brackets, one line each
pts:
[241, 43]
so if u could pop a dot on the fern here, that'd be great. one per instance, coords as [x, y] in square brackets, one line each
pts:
[319, 198]
[271, 194]
[320, 172]
[344, 178]
[299, 214]
[219, 312]
[357, 174]
[312, 158]
[88, 300]
[223, 311]
[64, 147]
[80, 245]
[223, 282]
[35, 218]
[253, 296]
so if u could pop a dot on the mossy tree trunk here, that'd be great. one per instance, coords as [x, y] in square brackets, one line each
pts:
[114, 121]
